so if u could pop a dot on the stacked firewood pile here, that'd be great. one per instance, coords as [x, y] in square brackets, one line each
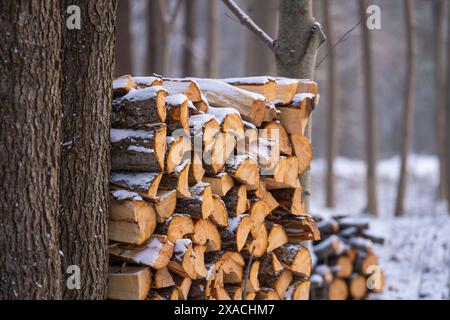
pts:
[345, 262]
[206, 201]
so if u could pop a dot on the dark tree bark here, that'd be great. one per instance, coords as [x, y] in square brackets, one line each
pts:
[155, 38]
[86, 105]
[189, 39]
[371, 114]
[409, 100]
[439, 60]
[299, 37]
[30, 266]
[333, 111]
[213, 63]
[123, 40]
[259, 58]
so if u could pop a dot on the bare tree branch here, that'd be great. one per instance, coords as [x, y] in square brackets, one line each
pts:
[175, 11]
[248, 22]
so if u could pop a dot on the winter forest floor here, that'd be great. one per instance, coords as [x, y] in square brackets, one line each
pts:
[416, 253]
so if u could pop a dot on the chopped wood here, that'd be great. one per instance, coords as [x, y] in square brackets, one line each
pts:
[154, 253]
[223, 147]
[265, 86]
[200, 205]
[299, 290]
[200, 268]
[145, 82]
[130, 283]
[267, 294]
[163, 279]
[298, 228]
[165, 204]
[176, 227]
[277, 236]
[357, 286]
[235, 235]
[178, 179]
[295, 118]
[236, 200]
[122, 85]
[138, 150]
[183, 259]
[230, 120]
[257, 245]
[286, 89]
[219, 214]
[139, 108]
[196, 170]
[204, 126]
[177, 148]
[303, 150]
[290, 200]
[296, 258]
[183, 86]
[206, 233]
[276, 131]
[131, 222]
[244, 169]
[143, 183]
[220, 183]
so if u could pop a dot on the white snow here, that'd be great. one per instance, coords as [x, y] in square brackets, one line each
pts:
[221, 113]
[140, 149]
[150, 253]
[214, 86]
[120, 83]
[134, 180]
[249, 80]
[200, 120]
[233, 223]
[176, 99]
[416, 255]
[181, 245]
[146, 81]
[122, 134]
[142, 94]
[300, 97]
[125, 194]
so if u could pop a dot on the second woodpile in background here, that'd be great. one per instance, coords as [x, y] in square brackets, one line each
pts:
[345, 262]
[205, 204]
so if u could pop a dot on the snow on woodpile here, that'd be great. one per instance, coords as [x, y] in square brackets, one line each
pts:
[200, 120]
[300, 97]
[249, 80]
[142, 94]
[211, 88]
[141, 180]
[181, 245]
[125, 195]
[176, 99]
[149, 253]
[124, 134]
[140, 149]
[233, 222]
[221, 113]
[197, 190]
[146, 81]
[120, 83]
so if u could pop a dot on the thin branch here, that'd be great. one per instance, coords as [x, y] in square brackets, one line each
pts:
[248, 22]
[162, 12]
[342, 39]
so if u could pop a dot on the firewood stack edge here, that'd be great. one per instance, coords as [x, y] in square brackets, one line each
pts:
[345, 264]
[206, 201]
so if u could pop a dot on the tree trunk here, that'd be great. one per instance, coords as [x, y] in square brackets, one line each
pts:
[259, 58]
[439, 18]
[123, 40]
[447, 143]
[155, 38]
[332, 106]
[408, 119]
[213, 63]
[30, 266]
[296, 51]
[371, 114]
[189, 39]
[85, 154]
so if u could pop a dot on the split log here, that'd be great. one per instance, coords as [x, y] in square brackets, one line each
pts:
[259, 210]
[363, 262]
[336, 289]
[267, 294]
[122, 85]
[277, 236]
[286, 172]
[143, 183]
[252, 283]
[178, 179]
[272, 275]
[183, 284]
[220, 183]
[131, 222]
[357, 286]
[196, 170]
[235, 236]
[183, 259]
[176, 227]
[204, 126]
[251, 106]
[325, 272]
[163, 279]
[138, 150]
[267, 152]
[295, 117]
[327, 226]
[215, 159]
[177, 148]
[286, 89]
[290, 200]
[155, 253]
[219, 214]
[129, 283]
[165, 204]
[296, 258]
[236, 200]
[138, 108]
[276, 131]
[184, 86]
[200, 268]
[206, 233]
[178, 112]
[172, 293]
[244, 169]
[258, 242]
[329, 247]
[342, 266]
[200, 205]
[230, 120]
[303, 150]
[272, 184]
[262, 194]
[299, 290]
[232, 265]
[298, 228]
[265, 86]
[145, 82]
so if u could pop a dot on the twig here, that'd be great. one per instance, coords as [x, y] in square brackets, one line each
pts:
[248, 22]
[343, 38]
[247, 272]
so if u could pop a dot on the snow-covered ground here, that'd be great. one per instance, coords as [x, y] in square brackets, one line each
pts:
[416, 255]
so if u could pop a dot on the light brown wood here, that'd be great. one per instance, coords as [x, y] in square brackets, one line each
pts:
[131, 222]
[206, 233]
[183, 259]
[205, 127]
[155, 253]
[163, 279]
[129, 283]
[357, 286]
[286, 89]
[200, 268]
[338, 290]
[178, 179]
[235, 236]
[236, 200]
[303, 150]
[244, 169]
[178, 112]
[176, 152]
[145, 82]
[267, 294]
[290, 200]
[275, 130]
[301, 290]
[277, 236]
[222, 149]
[178, 226]
[165, 204]
[265, 86]
[296, 258]
[200, 205]
[295, 118]
[219, 214]
[122, 85]
[220, 183]
[183, 86]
